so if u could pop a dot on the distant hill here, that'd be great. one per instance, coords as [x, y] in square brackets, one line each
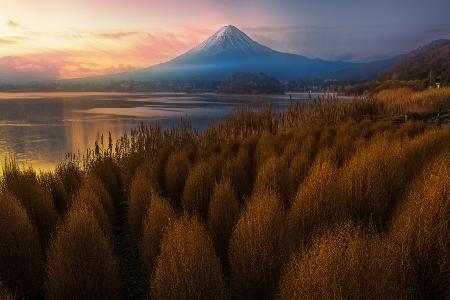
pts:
[417, 65]
[250, 83]
[365, 72]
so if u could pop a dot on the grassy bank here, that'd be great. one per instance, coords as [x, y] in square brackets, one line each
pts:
[327, 200]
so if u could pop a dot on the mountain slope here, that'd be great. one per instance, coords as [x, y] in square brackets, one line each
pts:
[366, 71]
[417, 65]
[230, 51]
[250, 83]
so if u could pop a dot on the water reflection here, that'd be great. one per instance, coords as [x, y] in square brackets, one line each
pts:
[41, 128]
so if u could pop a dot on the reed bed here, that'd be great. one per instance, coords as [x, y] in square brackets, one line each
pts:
[326, 200]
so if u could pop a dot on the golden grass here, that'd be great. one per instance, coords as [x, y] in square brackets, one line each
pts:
[316, 202]
[70, 175]
[25, 187]
[87, 198]
[372, 180]
[20, 251]
[419, 239]
[159, 166]
[96, 186]
[222, 216]
[187, 267]
[198, 188]
[140, 195]
[235, 170]
[159, 215]
[272, 176]
[295, 173]
[279, 192]
[404, 100]
[55, 187]
[175, 174]
[108, 172]
[257, 247]
[80, 263]
[265, 149]
[343, 263]
[5, 294]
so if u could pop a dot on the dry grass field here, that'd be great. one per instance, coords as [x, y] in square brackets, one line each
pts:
[327, 200]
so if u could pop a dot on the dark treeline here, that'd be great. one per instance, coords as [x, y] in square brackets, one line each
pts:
[113, 86]
[253, 84]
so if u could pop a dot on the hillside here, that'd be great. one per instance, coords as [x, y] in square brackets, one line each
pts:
[250, 83]
[433, 58]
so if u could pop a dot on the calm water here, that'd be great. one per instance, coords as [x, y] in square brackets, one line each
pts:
[40, 128]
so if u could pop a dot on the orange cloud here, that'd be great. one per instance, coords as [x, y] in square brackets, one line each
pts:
[6, 41]
[13, 24]
[115, 35]
[101, 53]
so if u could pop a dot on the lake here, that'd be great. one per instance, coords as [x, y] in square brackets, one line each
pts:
[39, 129]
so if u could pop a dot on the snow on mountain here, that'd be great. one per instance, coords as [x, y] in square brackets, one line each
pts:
[229, 38]
[230, 51]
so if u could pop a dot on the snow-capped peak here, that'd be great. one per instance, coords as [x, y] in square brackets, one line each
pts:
[229, 38]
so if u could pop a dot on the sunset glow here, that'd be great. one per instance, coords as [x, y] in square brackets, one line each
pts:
[52, 39]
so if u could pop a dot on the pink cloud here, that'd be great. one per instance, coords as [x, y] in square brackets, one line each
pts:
[160, 47]
[14, 68]
[135, 50]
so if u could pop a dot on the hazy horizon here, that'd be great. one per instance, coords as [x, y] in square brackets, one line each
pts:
[53, 40]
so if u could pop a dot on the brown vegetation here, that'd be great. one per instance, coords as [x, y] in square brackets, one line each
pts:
[222, 216]
[419, 239]
[80, 263]
[187, 267]
[159, 215]
[404, 100]
[198, 188]
[5, 294]
[25, 187]
[87, 198]
[141, 192]
[107, 170]
[20, 251]
[176, 172]
[95, 186]
[272, 176]
[70, 176]
[344, 263]
[235, 170]
[55, 187]
[328, 199]
[316, 203]
[257, 248]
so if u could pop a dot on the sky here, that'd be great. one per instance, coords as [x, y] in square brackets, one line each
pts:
[55, 39]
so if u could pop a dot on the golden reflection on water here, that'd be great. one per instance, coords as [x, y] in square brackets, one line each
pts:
[81, 136]
[59, 128]
[74, 137]
[39, 129]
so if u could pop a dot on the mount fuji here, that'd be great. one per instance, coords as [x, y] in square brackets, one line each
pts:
[230, 51]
